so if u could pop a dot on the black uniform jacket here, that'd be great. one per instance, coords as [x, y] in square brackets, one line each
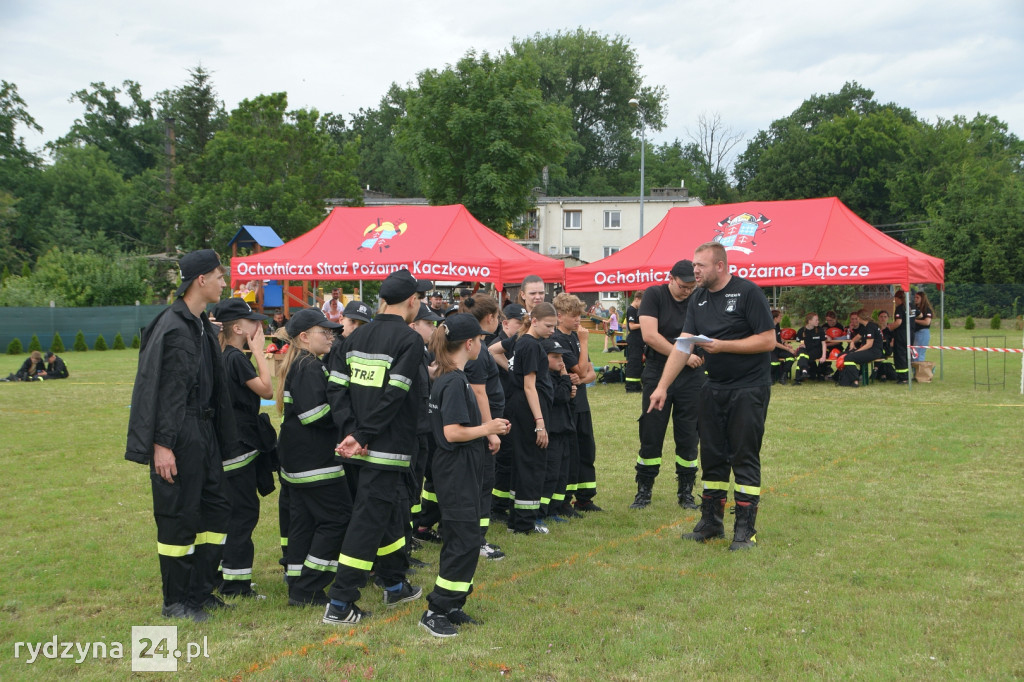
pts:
[170, 351]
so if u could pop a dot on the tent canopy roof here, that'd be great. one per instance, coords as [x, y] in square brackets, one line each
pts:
[432, 242]
[773, 243]
[262, 235]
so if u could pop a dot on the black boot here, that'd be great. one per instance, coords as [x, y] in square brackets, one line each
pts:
[644, 489]
[686, 478]
[711, 524]
[744, 535]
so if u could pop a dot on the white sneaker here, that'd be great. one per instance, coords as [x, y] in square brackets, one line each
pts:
[492, 552]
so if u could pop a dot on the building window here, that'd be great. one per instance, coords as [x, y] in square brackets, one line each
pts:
[532, 246]
[529, 225]
[572, 220]
[612, 220]
[573, 251]
[609, 250]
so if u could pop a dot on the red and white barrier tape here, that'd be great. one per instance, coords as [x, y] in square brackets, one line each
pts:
[987, 350]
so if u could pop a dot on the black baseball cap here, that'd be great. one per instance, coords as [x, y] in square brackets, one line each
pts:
[357, 310]
[235, 309]
[683, 270]
[452, 309]
[461, 326]
[436, 294]
[400, 285]
[514, 311]
[552, 346]
[426, 313]
[308, 318]
[197, 263]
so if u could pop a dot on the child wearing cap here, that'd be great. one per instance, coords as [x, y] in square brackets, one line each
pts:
[320, 502]
[422, 497]
[561, 431]
[461, 439]
[529, 410]
[511, 322]
[240, 325]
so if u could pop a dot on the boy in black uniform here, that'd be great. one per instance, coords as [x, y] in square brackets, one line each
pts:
[424, 512]
[181, 425]
[662, 314]
[634, 345]
[461, 442]
[501, 497]
[811, 353]
[377, 401]
[733, 403]
[55, 367]
[561, 432]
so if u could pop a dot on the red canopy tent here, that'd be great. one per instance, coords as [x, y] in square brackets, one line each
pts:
[773, 243]
[432, 242]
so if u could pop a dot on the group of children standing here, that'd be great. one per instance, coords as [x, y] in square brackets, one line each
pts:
[396, 425]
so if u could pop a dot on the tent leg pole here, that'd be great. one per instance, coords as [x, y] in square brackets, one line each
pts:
[942, 327]
[910, 340]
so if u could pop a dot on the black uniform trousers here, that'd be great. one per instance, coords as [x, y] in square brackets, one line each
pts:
[319, 517]
[429, 514]
[899, 359]
[192, 516]
[501, 496]
[731, 426]
[236, 565]
[528, 466]
[681, 408]
[414, 485]
[854, 361]
[486, 487]
[814, 369]
[283, 515]
[782, 364]
[586, 477]
[457, 475]
[375, 539]
[556, 473]
[634, 362]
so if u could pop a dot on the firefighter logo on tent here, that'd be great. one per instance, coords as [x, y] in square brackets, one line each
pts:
[737, 233]
[379, 235]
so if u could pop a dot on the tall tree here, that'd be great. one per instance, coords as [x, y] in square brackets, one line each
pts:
[595, 76]
[383, 165]
[269, 166]
[710, 149]
[480, 133]
[129, 133]
[197, 111]
[16, 161]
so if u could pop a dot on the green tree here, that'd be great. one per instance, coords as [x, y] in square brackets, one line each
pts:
[480, 133]
[383, 164]
[594, 76]
[17, 163]
[118, 342]
[34, 344]
[710, 152]
[57, 346]
[806, 300]
[269, 166]
[101, 343]
[14, 347]
[80, 344]
[93, 279]
[197, 114]
[128, 132]
[136, 342]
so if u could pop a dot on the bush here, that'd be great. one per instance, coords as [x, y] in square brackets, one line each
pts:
[785, 322]
[969, 323]
[58, 344]
[35, 345]
[14, 347]
[136, 342]
[80, 345]
[101, 343]
[996, 321]
[945, 323]
[118, 342]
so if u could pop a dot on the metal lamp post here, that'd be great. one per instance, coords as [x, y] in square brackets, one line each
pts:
[635, 103]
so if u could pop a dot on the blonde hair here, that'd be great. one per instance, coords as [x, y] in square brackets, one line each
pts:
[568, 304]
[225, 337]
[286, 365]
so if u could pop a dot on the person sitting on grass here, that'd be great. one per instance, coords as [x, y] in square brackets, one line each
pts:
[30, 369]
[55, 367]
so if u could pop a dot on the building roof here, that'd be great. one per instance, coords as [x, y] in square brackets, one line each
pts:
[250, 235]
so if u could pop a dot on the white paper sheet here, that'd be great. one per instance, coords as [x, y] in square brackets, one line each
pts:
[685, 343]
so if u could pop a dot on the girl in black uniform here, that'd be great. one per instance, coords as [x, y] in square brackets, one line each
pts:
[457, 466]
[240, 325]
[320, 502]
[811, 355]
[485, 381]
[529, 407]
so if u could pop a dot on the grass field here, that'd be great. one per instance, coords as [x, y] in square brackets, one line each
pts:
[886, 550]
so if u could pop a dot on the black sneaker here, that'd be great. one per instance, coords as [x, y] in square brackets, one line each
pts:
[427, 535]
[407, 593]
[437, 624]
[179, 610]
[587, 506]
[350, 616]
[491, 552]
[213, 602]
[316, 599]
[458, 617]
[569, 512]
[248, 594]
[415, 545]
[416, 563]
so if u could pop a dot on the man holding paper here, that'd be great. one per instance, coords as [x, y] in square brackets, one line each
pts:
[732, 313]
[662, 313]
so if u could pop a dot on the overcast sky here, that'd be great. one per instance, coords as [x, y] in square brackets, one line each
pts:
[752, 61]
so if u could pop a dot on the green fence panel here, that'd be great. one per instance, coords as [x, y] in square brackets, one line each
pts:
[22, 323]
